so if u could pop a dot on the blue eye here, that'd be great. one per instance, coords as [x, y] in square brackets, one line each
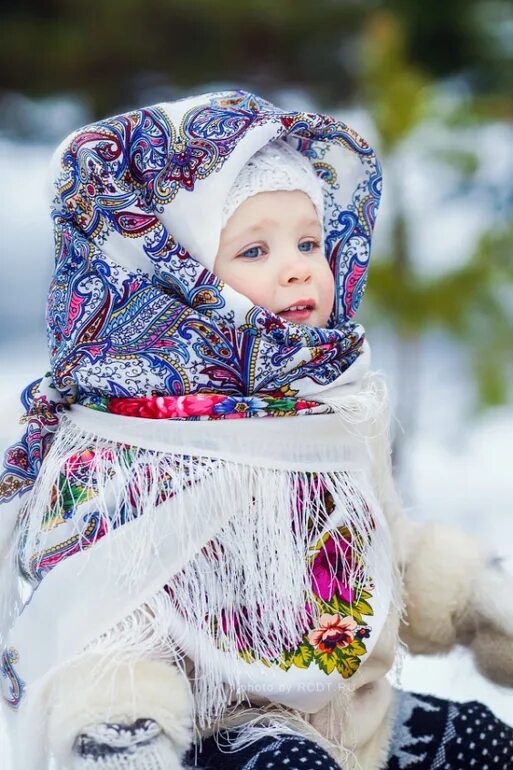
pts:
[307, 246]
[252, 252]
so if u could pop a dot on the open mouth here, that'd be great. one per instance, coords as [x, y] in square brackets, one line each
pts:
[299, 311]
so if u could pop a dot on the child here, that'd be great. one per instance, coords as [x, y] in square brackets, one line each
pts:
[196, 575]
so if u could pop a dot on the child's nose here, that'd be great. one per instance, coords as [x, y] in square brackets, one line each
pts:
[297, 270]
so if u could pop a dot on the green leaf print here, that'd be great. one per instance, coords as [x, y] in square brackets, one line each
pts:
[303, 656]
[282, 404]
[346, 665]
[336, 606]
[327, 661]
[357, 647]
[356, 610]
[350, 611]
[286, 659]
[72, 495]
[363, 607]
[247, 656]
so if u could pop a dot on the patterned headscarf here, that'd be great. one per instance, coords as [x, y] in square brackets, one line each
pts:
[137, 325]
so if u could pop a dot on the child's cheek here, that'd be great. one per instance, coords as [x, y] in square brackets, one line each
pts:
[259, 295]
[329, 298]
[247, 282]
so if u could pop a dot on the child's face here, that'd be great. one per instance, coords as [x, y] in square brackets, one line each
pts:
[271, 251]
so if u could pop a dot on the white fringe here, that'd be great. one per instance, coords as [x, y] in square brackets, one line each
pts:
[258, 562]
[249, 725]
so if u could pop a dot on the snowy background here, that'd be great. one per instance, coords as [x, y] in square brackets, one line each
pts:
[457, 464]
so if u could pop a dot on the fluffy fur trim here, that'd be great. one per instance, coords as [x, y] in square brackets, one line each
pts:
[374, 755]
[457, 594]
[439, 577]
[493, 596]
[488, 623]
[93, 690]
[493, 655]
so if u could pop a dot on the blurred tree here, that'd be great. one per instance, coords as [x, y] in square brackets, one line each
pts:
[473, 38]
[471, 302]
[108, 50]
[104, 48]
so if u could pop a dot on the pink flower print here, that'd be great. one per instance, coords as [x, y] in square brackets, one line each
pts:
[166, 407]
[201, 404]
[79, 461]
[191, 406]
[82, 464]
[333, 631]
[303, 404]
[329, 568]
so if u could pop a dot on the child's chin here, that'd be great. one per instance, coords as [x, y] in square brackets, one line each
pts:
[314, 320]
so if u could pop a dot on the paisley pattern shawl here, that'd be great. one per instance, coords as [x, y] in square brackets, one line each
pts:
[133, 313]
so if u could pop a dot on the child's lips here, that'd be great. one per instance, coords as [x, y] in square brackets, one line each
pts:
[296, 315]
[298, 311]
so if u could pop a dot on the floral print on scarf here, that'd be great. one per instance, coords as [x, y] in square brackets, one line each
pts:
[335, 629]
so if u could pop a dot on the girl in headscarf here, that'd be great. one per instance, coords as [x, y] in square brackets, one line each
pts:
[197, 575]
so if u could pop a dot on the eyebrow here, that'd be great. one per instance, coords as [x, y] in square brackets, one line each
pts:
[256, 228]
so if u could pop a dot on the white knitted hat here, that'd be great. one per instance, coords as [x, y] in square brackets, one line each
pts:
[277, 166]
